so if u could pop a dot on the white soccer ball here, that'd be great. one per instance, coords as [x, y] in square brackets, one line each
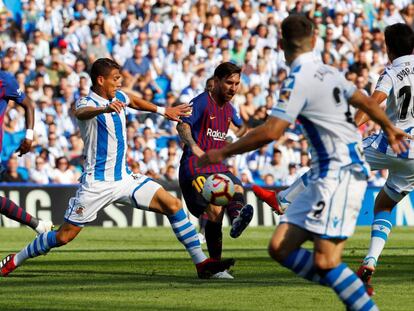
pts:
[218, 189]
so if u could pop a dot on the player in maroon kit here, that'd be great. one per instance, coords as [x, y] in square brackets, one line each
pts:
[9, 90]
[206, 128]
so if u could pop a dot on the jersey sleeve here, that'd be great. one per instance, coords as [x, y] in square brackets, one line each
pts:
[84, 102]
[236, 119]
[291, 101]
[384, 83]
[121, 96]
[198, 107]
[12, 90]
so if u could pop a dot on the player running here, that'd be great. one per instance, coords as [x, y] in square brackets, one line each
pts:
[106, 178]
[320, 97]
[396, 87]
[9, 90]
[206, 128]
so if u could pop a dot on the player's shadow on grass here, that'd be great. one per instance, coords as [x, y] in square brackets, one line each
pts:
[156, 271]
[147, 250]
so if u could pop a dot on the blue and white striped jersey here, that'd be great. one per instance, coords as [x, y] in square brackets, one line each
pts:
[104, 138]
[317, 95]
[397, 81]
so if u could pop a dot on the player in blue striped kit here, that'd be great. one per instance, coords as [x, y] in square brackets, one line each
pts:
[395, 86]
[9, 90]
[106, 178]
[325, 213]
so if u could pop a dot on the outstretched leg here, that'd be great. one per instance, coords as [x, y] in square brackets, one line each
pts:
[41, 245]
[11, 210]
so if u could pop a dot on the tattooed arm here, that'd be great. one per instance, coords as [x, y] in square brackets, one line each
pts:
[184, 130]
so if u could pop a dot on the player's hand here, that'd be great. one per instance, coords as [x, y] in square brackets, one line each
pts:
[212, 156]
[174, 113]
[197, 151]
[24, 147]
[115, 106]
[398, 139]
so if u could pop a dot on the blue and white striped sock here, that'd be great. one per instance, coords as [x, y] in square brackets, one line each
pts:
[349, 288]
[40, 246]
[187, 235]
[381, 228]
[300, 261]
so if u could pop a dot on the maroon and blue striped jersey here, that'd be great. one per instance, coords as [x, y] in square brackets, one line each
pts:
[9, 90]
[209, 125]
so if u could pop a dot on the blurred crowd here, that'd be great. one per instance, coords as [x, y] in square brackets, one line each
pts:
[167, 50]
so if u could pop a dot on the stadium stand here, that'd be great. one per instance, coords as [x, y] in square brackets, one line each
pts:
[167, 50]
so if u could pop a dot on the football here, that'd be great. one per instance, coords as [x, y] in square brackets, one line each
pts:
[218, 189]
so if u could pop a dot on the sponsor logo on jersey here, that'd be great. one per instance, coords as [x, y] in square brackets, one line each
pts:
[216, 135]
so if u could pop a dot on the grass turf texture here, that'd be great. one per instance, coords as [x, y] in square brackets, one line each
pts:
[147, 269]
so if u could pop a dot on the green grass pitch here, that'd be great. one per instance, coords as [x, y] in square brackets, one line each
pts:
[147, 269]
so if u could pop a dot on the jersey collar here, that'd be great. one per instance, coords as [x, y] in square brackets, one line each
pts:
[102, 101]
[303, 58]
[403, 59]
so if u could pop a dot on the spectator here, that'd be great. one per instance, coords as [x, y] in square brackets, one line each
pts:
[39, 174]
[11, 174]
[63, 174]
[136, 65]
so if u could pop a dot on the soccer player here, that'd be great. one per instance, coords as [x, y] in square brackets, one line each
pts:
[325, 213]
[106, 178]
[206, 128]
[395, 86]
[9, 90]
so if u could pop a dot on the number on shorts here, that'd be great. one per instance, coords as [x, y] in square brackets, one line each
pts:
[318, 212]
[405, 93]
[198, 183]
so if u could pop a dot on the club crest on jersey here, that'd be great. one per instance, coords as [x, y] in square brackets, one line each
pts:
[216, 135]
[82, 102]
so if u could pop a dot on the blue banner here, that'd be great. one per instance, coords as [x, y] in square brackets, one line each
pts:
[50, 202]
[402, 215]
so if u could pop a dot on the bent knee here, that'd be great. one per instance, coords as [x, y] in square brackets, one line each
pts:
[325, 262]
[172, 206]
[63, 239]
[238, 188]
[277, 252]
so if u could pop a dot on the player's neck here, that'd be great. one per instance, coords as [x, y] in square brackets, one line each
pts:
[99, 92]
[216, 98]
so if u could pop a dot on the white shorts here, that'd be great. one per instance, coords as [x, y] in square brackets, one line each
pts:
[400, 179]
[135, 190]
[329, 206]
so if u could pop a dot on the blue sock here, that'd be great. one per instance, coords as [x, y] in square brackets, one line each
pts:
[349, 288]
[40, 246]
[381, 228]
[187, 235]
[300, 261]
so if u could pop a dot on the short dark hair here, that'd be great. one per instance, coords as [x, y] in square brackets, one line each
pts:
[399, 39]
[294, 28]
[102, 67]
[226, 69]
